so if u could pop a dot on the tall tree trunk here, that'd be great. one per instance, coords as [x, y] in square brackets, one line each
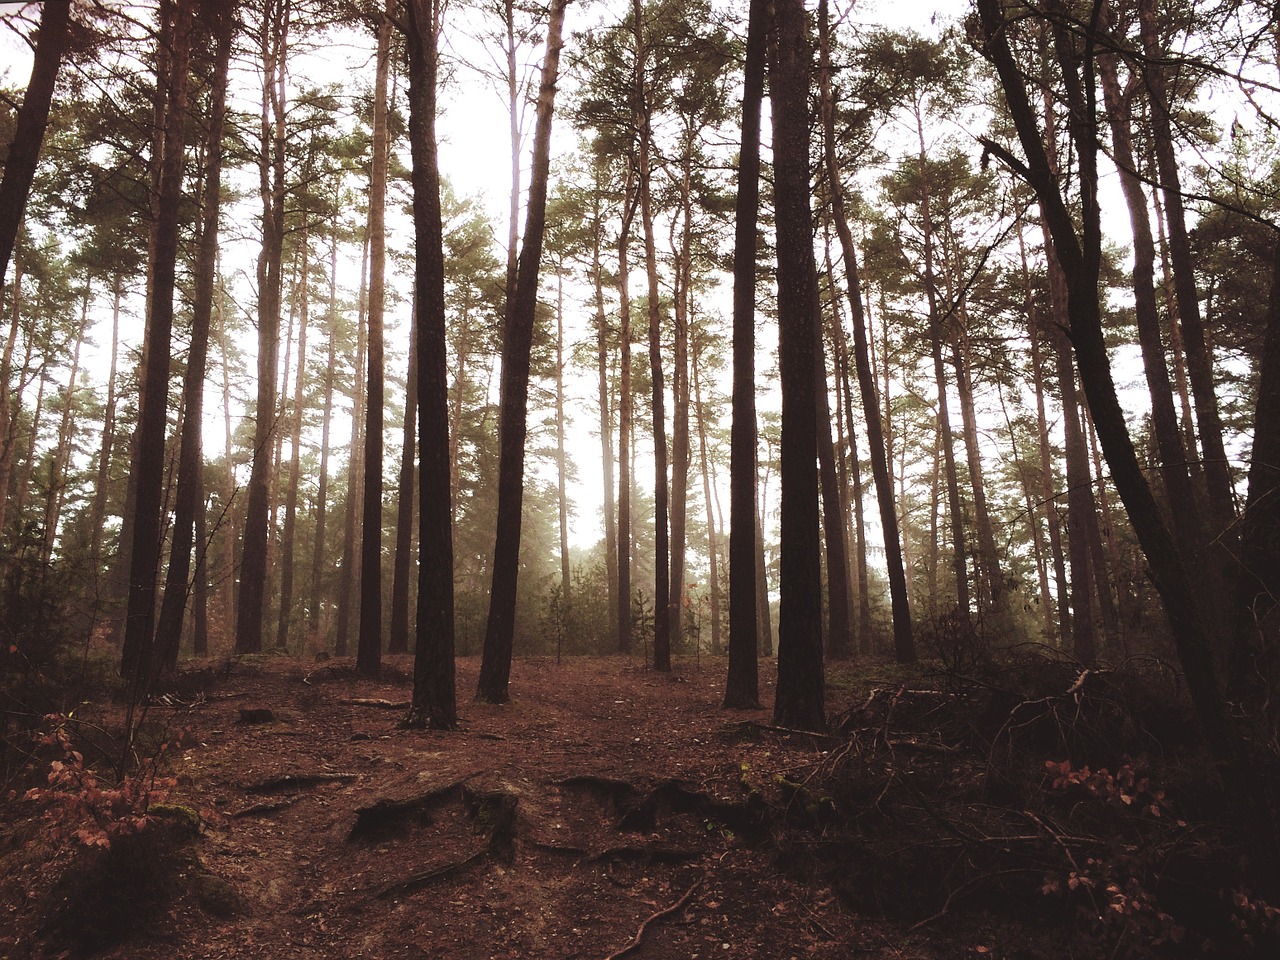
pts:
[799, 699]
[988, 557]
[28, 133]
[839, 640]
[561, 459]
[399, 641]
[517, 340]
[98, 507]
[190, 499]
[680, 452]
[271, 174]
[59, 464]
[903, 639]
[1199, 356]
[1047, 496]
[434, 685]
[15, 185]
[745, 542]
[369, 649]
[661, 488]
[713, 549]
[606, 418]
[288, 534]
[137, 658]
[319, 546]
[350, 576]
[625, 406]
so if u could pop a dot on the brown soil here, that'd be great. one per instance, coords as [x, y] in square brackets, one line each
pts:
[605, 803]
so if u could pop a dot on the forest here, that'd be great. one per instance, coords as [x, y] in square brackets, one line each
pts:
[815, 454]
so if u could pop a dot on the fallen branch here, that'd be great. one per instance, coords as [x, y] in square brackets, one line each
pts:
[653, 918]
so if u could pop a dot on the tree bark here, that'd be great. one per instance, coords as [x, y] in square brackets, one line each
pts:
[369, 647]
[745, 566]
[434, 702]
[799, 700]
[399, 641]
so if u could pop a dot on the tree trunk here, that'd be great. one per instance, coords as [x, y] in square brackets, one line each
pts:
[349, 580]
[903, 639]
[713, 549]
[517, 340]
[606, 419]
[1199, 357]
[434, 686]
[680, 452]
[799, 699]
[137, 659]
[839, 640]
[561, 460]
[98, 508]
[644, 176]
[28, 133]
[190, 501]
[319, 549]
[15, 186]
[625, 405]
[369, 647]
[399, 642]
[253, 560]
[746, 547]
[288, 535]
[59, 464]
[1047, 495]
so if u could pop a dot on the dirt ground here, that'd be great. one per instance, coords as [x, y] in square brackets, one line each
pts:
[605, 805]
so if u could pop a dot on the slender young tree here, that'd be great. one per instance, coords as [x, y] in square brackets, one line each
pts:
[399, 640]
[903, 637]
[517, 341]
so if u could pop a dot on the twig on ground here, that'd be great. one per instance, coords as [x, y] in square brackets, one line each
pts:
[653, 918]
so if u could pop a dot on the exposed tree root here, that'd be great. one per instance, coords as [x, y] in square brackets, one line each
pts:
[653, 918]
[428, 877]
[261, 809]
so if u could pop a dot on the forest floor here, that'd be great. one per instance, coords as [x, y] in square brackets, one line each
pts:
[605, 805]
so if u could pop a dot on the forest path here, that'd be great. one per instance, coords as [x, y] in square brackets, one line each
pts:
[604, 801]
